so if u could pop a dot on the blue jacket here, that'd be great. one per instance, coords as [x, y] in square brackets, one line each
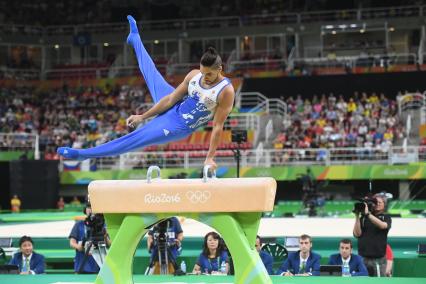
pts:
[37, 263]
[356, 264]
[79, 233]
[267, 260]
[292, 264]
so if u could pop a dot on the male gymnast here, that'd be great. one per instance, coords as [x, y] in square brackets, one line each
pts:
[203, 95]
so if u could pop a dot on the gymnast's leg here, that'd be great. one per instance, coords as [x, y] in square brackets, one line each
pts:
[158, 87]
[162, 129]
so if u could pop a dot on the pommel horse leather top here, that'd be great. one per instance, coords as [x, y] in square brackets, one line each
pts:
[183, 195]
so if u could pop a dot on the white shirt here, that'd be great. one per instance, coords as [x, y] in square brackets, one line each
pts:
[347, 260]
[198, 107]
[29, 261]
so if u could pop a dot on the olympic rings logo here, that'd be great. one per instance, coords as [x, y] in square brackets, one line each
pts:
[198, 196]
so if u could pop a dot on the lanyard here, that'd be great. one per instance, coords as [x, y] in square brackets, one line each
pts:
[217, 262]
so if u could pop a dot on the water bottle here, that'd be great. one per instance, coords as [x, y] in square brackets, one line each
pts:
[346, 272]
[223, 267]
[183, 266]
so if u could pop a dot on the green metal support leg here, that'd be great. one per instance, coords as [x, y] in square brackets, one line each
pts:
[237, 229]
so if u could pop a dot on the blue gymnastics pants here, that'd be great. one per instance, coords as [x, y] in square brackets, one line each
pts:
[162, 129]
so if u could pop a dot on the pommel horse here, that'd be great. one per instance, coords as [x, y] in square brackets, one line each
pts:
[232, 206]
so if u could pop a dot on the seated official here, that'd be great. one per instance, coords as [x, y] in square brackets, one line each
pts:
[345, 255]
[267, 259]
[28, 261]
[304, 262]
[213, 255]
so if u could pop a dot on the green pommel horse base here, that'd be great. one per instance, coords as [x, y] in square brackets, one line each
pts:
[232, 206]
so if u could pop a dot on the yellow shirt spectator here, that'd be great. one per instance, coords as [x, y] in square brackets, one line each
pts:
[351, 106]
[321, 122]
[15, 204]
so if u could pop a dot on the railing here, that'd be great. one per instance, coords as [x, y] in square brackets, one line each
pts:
[20, 142]
[20, 74]
[382, 60]
[220, 22]
[260, 64]
[268, 157]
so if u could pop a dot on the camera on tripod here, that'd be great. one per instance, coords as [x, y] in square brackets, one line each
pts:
[359, 206]
[94, 242]
[163, 250]
[239, 136]
[96, 228]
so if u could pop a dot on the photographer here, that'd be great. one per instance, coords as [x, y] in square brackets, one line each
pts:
[167, 235]
[81, 235]
[371, 229]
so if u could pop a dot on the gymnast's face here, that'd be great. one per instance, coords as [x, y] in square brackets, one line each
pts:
[212, 243]
[210, 74]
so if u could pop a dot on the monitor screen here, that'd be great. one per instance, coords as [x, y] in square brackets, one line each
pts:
[421, 249]
[331, 270]
[9, 269]
[5, 242]
[291, 242]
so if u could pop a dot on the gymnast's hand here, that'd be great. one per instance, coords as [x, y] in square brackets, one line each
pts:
[211, 163]
[134, 120]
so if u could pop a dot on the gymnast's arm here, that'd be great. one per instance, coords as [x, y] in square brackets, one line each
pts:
[165, 103]
[226, 102]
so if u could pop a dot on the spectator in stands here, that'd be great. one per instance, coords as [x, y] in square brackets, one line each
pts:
[212, 256]
[174, 238]
[60, 204]
[83, 263]
[304, 262]
[15, 204]
[371, 229]
[267, 259]
[75, 201]
[345, 256]
[389, 261]
[28, 261]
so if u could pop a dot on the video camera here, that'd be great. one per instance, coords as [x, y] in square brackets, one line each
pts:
[160, 233]
[96, 228]
[359, 206]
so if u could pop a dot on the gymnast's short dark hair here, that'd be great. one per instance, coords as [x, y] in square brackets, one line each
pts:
[211, 58]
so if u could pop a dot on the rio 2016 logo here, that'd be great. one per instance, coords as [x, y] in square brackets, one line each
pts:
[198, 196]
[161, 198]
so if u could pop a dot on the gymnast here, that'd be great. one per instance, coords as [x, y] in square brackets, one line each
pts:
[203, 95]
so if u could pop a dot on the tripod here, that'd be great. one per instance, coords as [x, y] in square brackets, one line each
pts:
[97, 249]
[166, 262]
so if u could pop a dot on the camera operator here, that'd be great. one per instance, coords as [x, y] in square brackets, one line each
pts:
[169, 232]
[371, 229]
[81, 234]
